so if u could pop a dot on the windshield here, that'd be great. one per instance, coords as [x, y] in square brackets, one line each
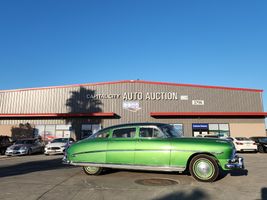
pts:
[264, 140]
[62, 140]
[24, 142]
[170, 131]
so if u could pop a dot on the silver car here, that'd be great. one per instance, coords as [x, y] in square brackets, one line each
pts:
[25, 147]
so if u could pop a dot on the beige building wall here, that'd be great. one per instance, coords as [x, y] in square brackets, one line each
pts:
[247, 130]
[5, 130]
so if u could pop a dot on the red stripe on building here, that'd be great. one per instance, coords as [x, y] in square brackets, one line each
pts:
[55, 115]
[208, 114]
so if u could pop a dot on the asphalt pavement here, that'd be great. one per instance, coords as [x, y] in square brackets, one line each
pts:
[44, 177]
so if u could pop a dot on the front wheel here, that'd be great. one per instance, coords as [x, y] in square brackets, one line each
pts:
[92, 170]
[204, 168]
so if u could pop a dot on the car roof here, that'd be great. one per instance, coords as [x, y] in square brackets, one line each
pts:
[135, 124]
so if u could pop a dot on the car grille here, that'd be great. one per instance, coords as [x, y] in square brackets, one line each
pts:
[54, 148]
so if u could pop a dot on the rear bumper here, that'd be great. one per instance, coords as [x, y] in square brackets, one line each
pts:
[235, 163]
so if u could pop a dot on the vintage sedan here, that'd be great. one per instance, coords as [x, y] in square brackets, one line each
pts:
[153, 146]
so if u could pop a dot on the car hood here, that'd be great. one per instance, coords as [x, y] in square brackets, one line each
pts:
[56, 144]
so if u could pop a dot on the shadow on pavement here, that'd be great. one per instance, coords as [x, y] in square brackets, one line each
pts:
[223, 173]
[196, 194]
[32, 166]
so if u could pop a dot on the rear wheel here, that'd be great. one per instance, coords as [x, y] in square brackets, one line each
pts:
[29, 152]
[2, 151]
[261, 149]
[92, 170]
[204, 168]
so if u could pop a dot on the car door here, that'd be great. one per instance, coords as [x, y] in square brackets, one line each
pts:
[152, 147]
[121, 146]
[34, 146]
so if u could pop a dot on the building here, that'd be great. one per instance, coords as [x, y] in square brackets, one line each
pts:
[79, 110]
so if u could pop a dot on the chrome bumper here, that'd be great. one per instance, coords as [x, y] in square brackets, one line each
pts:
[235, 163]
[65, 160]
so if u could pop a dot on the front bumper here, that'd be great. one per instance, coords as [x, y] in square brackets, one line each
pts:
[65, 160]
[235, 163]
[15, 152]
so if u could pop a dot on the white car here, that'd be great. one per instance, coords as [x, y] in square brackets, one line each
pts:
[57, 146]
[244, 144]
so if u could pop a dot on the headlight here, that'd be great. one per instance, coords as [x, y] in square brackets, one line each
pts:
[63, 146]
[8, 148]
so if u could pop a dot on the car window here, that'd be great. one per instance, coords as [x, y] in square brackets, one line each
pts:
[264, 140]
[124, 133]
[151, 132]
[170, 132]
[104, 134]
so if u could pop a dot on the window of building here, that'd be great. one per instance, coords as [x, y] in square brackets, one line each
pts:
[124, 133]
[220, 130]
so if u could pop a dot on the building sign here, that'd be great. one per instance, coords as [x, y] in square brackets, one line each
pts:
[132, 106]
[200, 126]
[134, 96]
[198, 102]
[103, 96]
[184, 97]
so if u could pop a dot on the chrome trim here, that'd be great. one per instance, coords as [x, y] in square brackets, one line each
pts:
[134, 167]
[235, 163]
[155, 150]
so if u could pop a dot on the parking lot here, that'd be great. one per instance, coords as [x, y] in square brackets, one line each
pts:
[44, 177]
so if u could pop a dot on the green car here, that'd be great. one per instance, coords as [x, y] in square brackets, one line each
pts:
[154, 147]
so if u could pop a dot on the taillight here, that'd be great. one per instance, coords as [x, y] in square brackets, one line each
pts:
[239, 143]
[254, 143]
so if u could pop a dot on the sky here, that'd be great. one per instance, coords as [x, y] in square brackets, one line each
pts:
[62, 42]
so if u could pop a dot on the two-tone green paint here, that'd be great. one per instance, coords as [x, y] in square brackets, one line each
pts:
[155, 152]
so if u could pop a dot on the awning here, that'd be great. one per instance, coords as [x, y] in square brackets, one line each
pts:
[208, 114]
[58, 115]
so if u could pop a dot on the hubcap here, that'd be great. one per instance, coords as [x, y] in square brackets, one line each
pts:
[91, 170]
[203, 169]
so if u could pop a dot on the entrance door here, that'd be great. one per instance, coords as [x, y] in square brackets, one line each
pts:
[200, 129]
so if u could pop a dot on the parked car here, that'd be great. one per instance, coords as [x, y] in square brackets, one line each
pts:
[57, 146]
[5, 142]
[261, 143]
[153, 146]
[243, 144]
[25, 147]
[208, 136]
